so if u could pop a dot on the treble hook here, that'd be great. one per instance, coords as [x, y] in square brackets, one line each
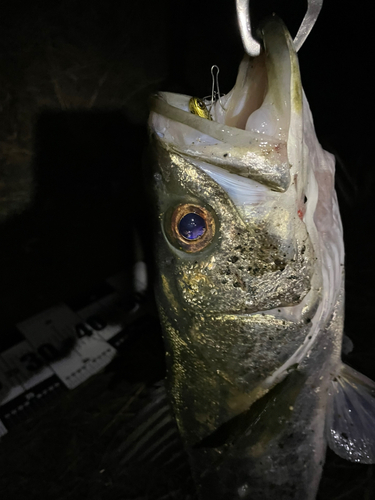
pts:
[253, 47]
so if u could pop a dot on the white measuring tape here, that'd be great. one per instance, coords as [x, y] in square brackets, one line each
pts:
[61, 348]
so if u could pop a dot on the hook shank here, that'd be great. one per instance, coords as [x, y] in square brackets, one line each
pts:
[253, 47]
[313, 9]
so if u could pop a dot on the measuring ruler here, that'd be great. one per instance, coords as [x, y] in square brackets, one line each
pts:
[62, 347]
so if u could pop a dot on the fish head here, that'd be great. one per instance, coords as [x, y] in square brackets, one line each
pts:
[254, 252]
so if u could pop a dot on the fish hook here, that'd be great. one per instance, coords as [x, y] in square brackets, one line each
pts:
[253, 47]
[312, 13]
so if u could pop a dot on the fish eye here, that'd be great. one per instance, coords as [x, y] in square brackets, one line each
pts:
[192, 227]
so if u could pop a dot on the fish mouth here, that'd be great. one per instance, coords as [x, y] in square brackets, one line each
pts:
[250, 127]
[301, 313]
[260, 100]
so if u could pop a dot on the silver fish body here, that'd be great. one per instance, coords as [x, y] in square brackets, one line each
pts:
[252, 302]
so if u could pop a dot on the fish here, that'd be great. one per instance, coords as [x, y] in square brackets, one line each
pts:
[250, 285]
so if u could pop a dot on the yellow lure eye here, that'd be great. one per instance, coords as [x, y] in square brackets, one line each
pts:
[198, 107]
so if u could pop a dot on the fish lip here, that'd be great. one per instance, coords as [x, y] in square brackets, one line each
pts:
[263, 314]
[304, 311]
[244, 153]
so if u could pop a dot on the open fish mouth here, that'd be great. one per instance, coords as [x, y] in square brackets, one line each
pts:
[260, 99]
[254, 115]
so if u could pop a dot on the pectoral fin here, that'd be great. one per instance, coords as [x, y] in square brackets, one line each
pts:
[350, 421]
[155, 438]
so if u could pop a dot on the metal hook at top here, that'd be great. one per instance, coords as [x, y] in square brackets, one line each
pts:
[253, 47]
[312, 13]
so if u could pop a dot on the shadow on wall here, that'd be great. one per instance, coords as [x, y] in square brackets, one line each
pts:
[88, 201]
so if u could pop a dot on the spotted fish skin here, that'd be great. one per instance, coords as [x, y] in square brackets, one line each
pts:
[252, 311]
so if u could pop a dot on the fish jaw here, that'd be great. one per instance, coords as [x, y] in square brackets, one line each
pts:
[262, 299]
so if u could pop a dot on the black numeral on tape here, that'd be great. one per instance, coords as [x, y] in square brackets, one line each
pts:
[92, 324]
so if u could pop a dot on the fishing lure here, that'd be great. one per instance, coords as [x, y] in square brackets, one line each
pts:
[198, 107]
[250, 282]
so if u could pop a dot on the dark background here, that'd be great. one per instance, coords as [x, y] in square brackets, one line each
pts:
[75, 77]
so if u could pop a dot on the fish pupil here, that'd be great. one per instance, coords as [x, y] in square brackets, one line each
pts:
[192, 226]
